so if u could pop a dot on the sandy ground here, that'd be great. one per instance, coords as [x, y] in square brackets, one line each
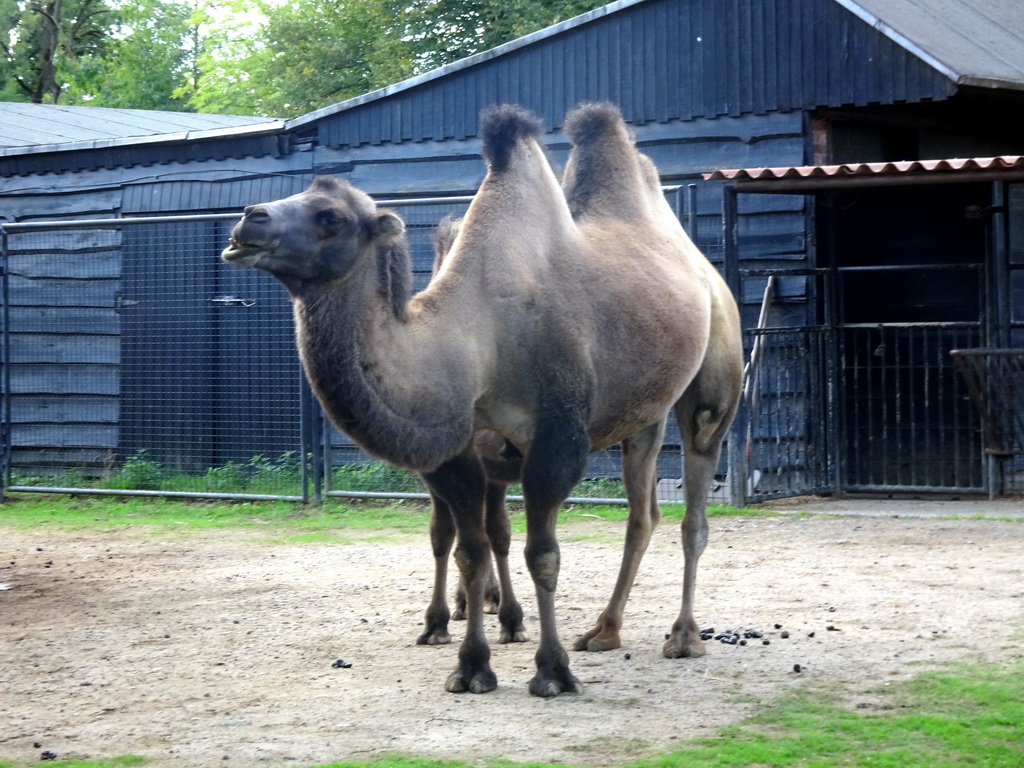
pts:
[201, 649]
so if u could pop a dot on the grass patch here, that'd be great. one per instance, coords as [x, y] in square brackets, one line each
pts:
[965, 716]
[74, 512]
[334, 520]
[125, 761]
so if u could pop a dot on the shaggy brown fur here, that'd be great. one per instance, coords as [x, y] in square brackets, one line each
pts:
[560, 335]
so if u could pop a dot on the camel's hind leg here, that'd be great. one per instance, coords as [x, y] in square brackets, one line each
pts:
[499, 596]
[639, 459]
[704, 412]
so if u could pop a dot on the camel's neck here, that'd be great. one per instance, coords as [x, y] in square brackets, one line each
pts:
[385, 390]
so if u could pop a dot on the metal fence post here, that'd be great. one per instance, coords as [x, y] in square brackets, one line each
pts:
[5, 360]
[730, 241]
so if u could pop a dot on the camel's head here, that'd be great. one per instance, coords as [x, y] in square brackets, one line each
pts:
[316, 236]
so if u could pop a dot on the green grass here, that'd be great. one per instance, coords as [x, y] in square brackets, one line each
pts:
[26, 510]
[334, 520]
[125, 761]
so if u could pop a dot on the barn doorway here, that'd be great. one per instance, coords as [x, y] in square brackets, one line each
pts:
[909, 277]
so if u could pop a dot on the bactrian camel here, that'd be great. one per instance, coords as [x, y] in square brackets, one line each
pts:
[563, 320]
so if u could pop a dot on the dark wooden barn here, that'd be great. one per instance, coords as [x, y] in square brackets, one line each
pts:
[872, 281]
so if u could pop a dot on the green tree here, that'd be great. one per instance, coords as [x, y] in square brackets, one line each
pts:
[447, 30]
[308, 54]
[302, 56]
[147, 63]
[43, 42]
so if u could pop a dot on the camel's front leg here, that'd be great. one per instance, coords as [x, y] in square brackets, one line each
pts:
[554, 464]
[460, 483]
[442, 537]
[639, 459]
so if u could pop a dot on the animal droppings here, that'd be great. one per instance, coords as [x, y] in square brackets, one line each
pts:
[810, 634]
[797, 668]
[766, 641]
[48, 755]
[752, 633]
[341, 664]
[784, 634]
[778, 626]
[627, 657]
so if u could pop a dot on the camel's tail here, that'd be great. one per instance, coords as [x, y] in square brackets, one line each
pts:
[502, 127]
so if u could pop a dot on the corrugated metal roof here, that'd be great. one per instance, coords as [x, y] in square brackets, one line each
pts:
[45, 127]
[851, 174]
[976, 42]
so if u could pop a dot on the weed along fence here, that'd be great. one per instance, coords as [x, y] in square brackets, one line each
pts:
[136, 362]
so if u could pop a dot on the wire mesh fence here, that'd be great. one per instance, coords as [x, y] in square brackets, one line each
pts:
[135, 361]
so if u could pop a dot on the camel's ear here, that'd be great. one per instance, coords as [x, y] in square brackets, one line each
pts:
[387, 224]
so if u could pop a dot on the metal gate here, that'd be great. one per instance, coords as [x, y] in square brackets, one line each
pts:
[785, 421]
[853, 407]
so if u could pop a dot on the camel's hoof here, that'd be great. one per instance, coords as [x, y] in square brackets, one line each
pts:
[434, 637]
[459, 614]
[678, 646]
[597, 640]
[517, 636]
[563, 682]
[480, 682]
[490, 607]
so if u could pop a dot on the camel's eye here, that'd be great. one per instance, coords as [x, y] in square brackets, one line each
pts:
[333, 221]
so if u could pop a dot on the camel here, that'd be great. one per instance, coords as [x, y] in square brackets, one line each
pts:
[563, 320]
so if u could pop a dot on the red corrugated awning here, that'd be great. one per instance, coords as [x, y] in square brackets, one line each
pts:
[811, 178]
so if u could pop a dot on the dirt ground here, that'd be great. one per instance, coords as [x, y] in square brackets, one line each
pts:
[216, 648]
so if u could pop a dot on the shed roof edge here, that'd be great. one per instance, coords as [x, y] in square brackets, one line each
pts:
[900, 39]
[466, 63]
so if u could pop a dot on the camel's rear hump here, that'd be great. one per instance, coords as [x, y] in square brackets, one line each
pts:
[606, 176]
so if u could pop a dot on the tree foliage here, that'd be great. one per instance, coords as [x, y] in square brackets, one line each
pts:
[257, 57]
[43, 42]
[302, 56]
[448, 30]
[148, 60]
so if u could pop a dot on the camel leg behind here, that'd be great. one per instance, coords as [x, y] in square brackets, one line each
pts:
[639, 458]
[704, 412]
[499, 596]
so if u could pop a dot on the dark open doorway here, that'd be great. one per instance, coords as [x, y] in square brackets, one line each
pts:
[909, 278]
